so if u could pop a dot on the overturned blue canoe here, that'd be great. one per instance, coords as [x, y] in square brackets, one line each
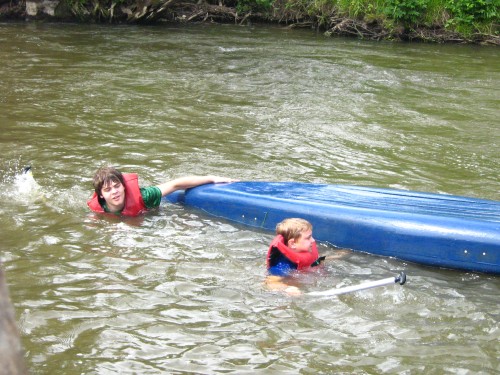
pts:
[432, 229]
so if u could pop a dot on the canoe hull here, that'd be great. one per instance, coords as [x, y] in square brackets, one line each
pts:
[431, 229]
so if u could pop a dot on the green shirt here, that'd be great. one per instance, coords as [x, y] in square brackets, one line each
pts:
[150, 195]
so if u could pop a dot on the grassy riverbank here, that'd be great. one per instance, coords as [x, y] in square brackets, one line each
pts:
[459, 21]
[436, 20]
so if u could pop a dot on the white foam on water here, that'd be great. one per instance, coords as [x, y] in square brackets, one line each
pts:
[22, 187]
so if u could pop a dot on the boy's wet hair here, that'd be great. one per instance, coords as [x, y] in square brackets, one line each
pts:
[105, 176]
[292, 228]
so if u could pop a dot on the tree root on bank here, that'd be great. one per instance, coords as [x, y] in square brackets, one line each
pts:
[205, 13]
[174, 11]
[375, 31]
[357, 28]
[444, 36]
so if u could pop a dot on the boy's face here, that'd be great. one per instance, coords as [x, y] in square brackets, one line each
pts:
[114, 194]
[303, 243]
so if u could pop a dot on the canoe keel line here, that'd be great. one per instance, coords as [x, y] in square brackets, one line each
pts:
[431, 229]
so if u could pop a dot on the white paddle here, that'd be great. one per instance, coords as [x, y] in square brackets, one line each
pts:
[401, 279]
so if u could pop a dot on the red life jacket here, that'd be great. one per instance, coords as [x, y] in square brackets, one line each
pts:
[303, 259]
[134, 204]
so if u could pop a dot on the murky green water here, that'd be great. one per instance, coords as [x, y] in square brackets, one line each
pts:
[181, 292]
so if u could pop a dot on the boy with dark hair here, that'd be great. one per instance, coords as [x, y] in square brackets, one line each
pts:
[120, 194]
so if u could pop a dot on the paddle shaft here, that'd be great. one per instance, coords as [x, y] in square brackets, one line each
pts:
[401, 279]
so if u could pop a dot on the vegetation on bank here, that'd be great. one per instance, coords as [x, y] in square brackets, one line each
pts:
[467, 21]
[437, 20]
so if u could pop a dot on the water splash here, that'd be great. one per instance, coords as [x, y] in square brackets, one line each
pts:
[22, 186]
[24, 183]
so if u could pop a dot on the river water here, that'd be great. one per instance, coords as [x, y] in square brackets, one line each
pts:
[178, 291]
